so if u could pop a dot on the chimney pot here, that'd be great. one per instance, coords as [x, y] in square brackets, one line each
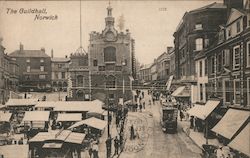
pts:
[21, 47]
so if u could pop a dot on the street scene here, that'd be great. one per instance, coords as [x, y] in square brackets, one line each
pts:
[125, 79]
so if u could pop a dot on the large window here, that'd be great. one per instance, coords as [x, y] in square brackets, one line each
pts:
[200, 67]
[42, 76]
[41, 68]
[212, 65]
[248, 54]
[226, 57]
[28, 68]
[228, 91]
[219, 61]
[109, 54]
[248, 91]
[111, 82]
[238, 26]
[198, 27]
[205, 67]
[236, 57]
[237, 98]
[201, 92]
[199, 44]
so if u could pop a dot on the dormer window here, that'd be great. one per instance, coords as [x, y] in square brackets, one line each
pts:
[238, 26]
[198, 44]
[198, 27]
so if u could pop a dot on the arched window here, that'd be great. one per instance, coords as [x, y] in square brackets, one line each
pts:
[80, 81]
[109, 54]
[111, 82]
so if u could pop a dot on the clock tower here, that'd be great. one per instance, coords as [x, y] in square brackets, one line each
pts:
[110, 33]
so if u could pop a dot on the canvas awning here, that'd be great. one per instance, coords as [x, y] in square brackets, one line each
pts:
[76, 138]
[231, 122]
[5, 117]
[69, 117]
[93, 122]
[181, 92]
[64, 136]
[241, 141]
[203, 111]
[21, 102]
[169, 82]
[36, 116]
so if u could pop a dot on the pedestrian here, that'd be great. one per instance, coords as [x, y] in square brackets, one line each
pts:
[143, 103]
[136, 107]
[181, 115]
[116, 144]
[191, 122]
[140, 106]
[108, 146]
[90, 148]
[132, 132]
[95, 150]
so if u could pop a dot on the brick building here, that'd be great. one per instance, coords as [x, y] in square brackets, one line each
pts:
[194, 33]
[228, 60]
[34, 69]
[112, 62]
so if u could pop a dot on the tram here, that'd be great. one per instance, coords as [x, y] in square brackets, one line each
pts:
[169, 119]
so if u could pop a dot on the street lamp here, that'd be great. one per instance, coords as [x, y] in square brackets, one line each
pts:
[123, 82]
[206, 128]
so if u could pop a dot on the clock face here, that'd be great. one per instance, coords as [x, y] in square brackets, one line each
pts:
[110, 36]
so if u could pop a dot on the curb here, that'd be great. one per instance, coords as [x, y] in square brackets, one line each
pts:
[191, 139]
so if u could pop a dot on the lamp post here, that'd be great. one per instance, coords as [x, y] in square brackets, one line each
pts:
[206, 128]
[108, 141]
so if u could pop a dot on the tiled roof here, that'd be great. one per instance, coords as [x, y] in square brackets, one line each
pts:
[210, 6]
[58, 59]
[28, 53]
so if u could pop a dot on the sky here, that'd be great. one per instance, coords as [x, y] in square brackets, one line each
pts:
[151, 23]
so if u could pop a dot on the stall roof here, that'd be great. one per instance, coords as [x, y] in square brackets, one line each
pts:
[76, 138]
[21, 102]
[72, 105]
[36, 116]
[69, 117]
[5, 117]
[203, 111]
[93, 122]
[64, 135]
[241, 141]
[231, 122]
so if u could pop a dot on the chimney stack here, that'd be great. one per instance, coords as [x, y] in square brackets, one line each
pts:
[52, 53]
[43, 49]
[21, 47]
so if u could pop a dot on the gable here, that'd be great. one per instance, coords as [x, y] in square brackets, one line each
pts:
[234, 15]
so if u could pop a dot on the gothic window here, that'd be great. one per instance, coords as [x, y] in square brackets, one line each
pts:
[80, 81]
[111, 82]
[109, 54]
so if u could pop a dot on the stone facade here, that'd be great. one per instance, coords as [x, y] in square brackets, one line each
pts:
[59, 73]
[112, 63]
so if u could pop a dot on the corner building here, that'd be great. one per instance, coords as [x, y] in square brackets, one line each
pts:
[111, 56]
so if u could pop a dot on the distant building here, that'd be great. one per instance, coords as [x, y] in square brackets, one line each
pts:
[59, 73]
[34, 69]
[79, 76]
[145, 74]
[112, 62]
[8, 75]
